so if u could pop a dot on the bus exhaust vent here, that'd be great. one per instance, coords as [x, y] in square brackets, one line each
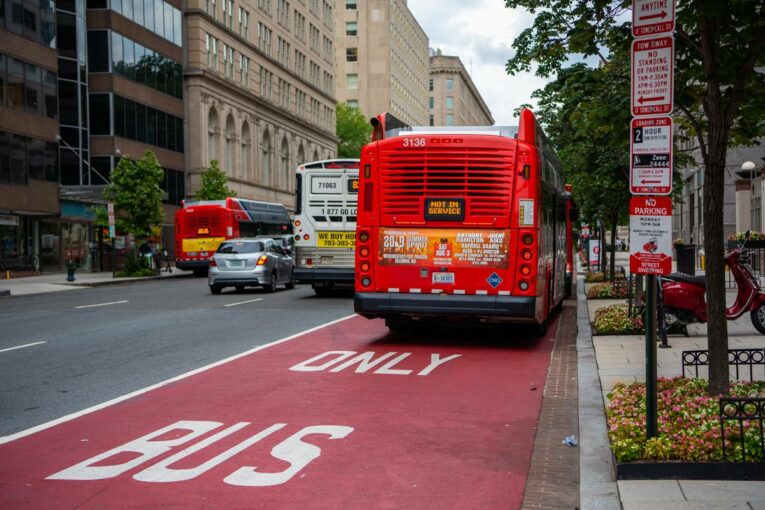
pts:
[482, 176]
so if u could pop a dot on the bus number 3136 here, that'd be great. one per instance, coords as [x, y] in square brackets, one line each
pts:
[413, 142]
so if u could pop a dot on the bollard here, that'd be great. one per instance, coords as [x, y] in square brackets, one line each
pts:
[70, 271]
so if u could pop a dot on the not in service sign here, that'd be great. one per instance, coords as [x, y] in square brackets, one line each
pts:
[651, 235]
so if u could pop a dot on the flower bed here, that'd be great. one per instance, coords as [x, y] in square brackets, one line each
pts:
[597, 277]
[617, 290]
[616, 320]
[688, 423]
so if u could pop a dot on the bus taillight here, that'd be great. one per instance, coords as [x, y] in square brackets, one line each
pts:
[363, 236]
[364, 252]
[364, 267]
[526, 255]
[297, 223]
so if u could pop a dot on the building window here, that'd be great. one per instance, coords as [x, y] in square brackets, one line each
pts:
[430, 102]
[212, 137]
[245, 163]
[266, 151]
[143, 65]
[284, 166]
[228, 13]
[350, 28]
[264, 38]
[211, 46]
[266, 80]
[229, 146]
[353, 103]
[228, 60]
[156, 15]
[244, 23]
[244, 70]
[449, 84]
[352, 81]
[450, 102]
[350, 5]
[431, 120]
[351, 54]
[430, 85]
[283, 13]
[450, 120]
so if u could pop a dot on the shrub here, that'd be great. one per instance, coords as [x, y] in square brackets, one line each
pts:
[617, 290]
[136, 266]
[615, 319]
[688, 423]
[597, 277]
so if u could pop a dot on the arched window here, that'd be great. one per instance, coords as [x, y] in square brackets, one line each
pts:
[212, 137]
[284, 165]
[315, 155]
[266, 151]
[245, 163]
[301, 155]
[230, 146]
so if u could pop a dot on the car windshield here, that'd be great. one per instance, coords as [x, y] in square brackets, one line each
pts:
[240, 247]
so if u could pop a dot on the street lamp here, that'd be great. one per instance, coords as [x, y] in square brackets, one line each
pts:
[61, 140]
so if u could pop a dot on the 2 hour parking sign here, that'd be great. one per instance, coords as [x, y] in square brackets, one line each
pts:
[651, 156]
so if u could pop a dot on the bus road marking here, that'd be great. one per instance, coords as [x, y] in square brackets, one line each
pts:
[244, 302]
[366, 362]
[21, 346]
[103, 304]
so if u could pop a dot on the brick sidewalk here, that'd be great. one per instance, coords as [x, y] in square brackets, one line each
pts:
[553, 481]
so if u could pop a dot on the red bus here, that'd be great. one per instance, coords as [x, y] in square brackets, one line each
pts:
[200, 226]
[461, 223]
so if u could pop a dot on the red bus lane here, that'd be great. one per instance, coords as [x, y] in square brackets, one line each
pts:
[346, 416]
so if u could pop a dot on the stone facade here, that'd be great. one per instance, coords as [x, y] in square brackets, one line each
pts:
[454, 99]
[382, 60]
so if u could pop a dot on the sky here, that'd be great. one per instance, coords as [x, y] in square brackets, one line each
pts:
[481, 33]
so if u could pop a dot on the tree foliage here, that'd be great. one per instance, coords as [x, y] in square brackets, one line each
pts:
[353, 130]
[136, 194]
[719, 97]
[213, 184]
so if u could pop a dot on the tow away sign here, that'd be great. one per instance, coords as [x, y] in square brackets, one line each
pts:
[651, 235]
[653, 70]
[651, 156]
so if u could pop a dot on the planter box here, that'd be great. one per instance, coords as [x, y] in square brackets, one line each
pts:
[749, 471]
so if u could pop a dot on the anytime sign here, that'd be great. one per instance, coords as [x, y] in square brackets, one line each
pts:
[651, 235]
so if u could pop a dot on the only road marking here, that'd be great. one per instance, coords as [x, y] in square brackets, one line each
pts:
[103, 304]
[21, 346]
[244, 302]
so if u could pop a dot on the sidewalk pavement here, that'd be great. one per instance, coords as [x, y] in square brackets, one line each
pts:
[607, 360]
[56, 282]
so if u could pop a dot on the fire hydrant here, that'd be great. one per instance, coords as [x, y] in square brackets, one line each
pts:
[70, 267]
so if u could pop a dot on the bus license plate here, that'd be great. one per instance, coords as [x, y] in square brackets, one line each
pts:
[443, 278]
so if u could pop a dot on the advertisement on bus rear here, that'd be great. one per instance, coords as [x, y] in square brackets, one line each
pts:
[444, 248]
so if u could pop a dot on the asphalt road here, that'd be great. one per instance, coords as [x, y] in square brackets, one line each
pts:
[100, 343]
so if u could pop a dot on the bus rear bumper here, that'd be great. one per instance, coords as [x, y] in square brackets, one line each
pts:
[319, 275]
[373, 304]
[190, 265]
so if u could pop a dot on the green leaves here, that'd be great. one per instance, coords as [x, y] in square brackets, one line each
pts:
[213, 184]
[136, 194]
[353, 130]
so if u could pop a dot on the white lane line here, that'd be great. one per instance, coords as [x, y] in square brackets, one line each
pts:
[109, 403]
[21, 346]
[103, 304]
[244, 302]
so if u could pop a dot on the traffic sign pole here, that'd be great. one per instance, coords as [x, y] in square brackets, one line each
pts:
[651, 392]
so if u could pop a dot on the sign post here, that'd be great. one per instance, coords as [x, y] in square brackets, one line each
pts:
[112, 233]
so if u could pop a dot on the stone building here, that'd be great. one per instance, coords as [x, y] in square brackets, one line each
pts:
[259, 87]
[382, 60]
[454, 99]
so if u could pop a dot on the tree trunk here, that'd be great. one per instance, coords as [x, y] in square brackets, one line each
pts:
[614, 220]
[714, 190]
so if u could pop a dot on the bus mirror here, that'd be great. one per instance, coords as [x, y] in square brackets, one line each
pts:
[573, 214]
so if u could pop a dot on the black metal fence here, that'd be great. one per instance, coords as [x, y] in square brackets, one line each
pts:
[744, 439]
[739, 359]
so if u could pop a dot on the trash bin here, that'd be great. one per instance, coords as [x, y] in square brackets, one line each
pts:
[686, 259]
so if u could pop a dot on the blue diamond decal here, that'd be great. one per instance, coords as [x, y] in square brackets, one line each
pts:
[494, 280]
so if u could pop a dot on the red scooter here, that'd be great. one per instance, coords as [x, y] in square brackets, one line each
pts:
[683, 300]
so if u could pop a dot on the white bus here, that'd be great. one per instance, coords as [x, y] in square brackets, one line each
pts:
[325, 223]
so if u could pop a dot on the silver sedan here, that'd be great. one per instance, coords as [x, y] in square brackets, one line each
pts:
[250, 262]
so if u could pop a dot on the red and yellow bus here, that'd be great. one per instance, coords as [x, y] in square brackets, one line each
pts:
[200, 227]
[461, 223]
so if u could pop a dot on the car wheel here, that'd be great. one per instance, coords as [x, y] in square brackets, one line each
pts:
[216, 289]
[291, 282]
[271, 287]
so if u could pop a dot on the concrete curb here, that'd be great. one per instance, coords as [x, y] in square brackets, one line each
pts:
[4, 293]
[597, 483]
[128, 280]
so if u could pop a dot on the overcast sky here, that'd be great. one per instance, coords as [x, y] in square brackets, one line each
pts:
[481, 32]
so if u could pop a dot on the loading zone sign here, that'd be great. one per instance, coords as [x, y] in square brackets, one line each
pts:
[653, 69]
[651, 156]
[651, 235]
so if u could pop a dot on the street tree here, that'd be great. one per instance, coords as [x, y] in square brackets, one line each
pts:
[136, 194]
[353, 130]
[719, 99]
[213, 184]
